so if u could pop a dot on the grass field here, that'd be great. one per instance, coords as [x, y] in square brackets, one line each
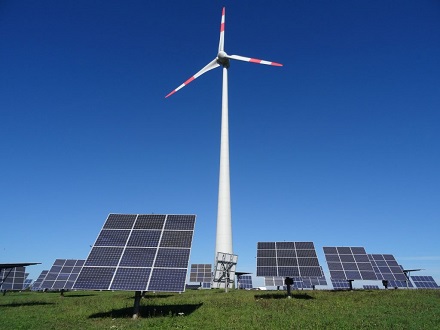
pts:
[215, 309]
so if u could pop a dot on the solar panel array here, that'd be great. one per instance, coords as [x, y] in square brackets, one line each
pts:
[12, 278]
[339, 284]
[287, 259]
[349, 263]
[62, 274]
[386, 267]
[201, 273]
[244, 282]
[273, 281]
[424, 282]
[371, 287]
[39, 280]
[400, 284]
[139, 252]
[27, 283]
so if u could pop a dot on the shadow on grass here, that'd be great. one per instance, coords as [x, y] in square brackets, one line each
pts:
[78, 295]
[34, 303]
[283, 296]
[150, 311]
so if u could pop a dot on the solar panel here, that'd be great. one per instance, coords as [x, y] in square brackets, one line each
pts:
[12, 278]
[224, 272]
[139, 252]
[386, 267]
[244, 281]
[371, 287]
[27, 283]
[424, 282]
[287, 259]
[311, 281]
[273, 281]
[39, 280]
[339, 284]
[62, 274]
[200, 273]
[400, 284]
[349, 263]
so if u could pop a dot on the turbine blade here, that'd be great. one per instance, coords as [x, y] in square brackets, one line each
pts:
[211, 65]
[252, 60]
[221, 43]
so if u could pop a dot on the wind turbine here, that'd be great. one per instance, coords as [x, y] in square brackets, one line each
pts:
[224, 226]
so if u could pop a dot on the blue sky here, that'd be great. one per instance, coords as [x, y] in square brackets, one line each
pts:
[340, 146]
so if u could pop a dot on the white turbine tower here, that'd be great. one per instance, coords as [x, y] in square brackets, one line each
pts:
[224, 227]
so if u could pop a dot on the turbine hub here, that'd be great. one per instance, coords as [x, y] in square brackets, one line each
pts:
[222, 59]
[222, 54]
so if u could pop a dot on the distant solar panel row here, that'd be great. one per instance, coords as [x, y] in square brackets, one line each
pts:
[424, 282]
[12, 278]
[350, 263]
[287, 259]
[340, 284]
[139, 252]
[400, 284]
[201, 273]
[244, 281]
[62, 274]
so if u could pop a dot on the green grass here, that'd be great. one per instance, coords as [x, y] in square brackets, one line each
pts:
[215, 309]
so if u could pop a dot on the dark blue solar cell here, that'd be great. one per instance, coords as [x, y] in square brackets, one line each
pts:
[330, 250]
[266, 245]
[361, 258]
[308, 262]
[368, 275]
[66, 269]
[347, 258]
[358, 250]
[266, 254]
[265, 262]
[353, 275]
[181, 239]
[80, 263]
[51, 276]
[120, 221]
[310, 271]
[76, 269]
[144, 238]
[59, 262]
[73, 277]
[288, 271]
[282, 262]
[335, 266]
[58, 285]
[343, 250]
[172, 258]
[112, 237]
[47, 284]
[135, 279]
[306, 254]
[336, 274]
[285, 245]
[55, 269]
[350, 266]
[180, 222]
[267, 271]
[138, 257]
[70, 262]
[150, 221]
[281, 253]
[104, 256]
[95, 278]
[332, 258]
[167, 280]
[304, 246]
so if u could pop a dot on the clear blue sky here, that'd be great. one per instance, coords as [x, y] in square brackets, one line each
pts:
[340, 146]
